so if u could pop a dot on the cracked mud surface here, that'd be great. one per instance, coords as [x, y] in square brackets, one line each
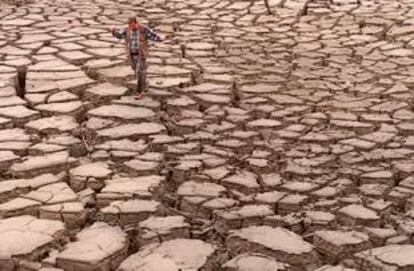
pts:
[275, 135]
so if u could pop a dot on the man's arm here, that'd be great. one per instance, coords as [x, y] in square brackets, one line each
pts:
[151, 35]
[118, 33]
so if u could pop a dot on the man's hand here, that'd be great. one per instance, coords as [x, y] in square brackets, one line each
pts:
[118, 33]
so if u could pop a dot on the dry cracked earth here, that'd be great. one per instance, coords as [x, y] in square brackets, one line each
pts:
[275, 135]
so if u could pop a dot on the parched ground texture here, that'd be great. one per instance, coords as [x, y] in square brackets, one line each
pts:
[275, 135]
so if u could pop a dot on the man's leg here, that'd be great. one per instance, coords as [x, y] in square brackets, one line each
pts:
[133, 62]
[138, 76]
[143, 74]
[135, 68]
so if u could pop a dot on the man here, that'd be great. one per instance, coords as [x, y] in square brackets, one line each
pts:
[136, 39]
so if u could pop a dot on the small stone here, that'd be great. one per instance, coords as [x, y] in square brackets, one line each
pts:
[354, 214]
[62, 96]
[173, 255]
[161, 229]
[122, 112]
[378, 236]
[19, 114]
[7, 158]
[243, 180]
[80, 175]
[192, 188]
[26, 236]
[127, 130]
[52, 194]
[140, 167]
[128, 188]
[130, 211]
[392, 257]
[105, 91]
[279, 243]
[53, 125]
[254, 261]
[38, 164]
[99, 246]
[339, 245]
[69, 108]
[73, 214]
[248, 212]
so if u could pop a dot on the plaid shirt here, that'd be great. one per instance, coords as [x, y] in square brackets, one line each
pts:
[135, 34]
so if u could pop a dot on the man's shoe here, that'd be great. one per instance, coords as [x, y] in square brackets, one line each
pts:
[138, 96]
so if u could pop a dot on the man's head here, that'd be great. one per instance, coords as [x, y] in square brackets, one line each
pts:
[132, 21]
